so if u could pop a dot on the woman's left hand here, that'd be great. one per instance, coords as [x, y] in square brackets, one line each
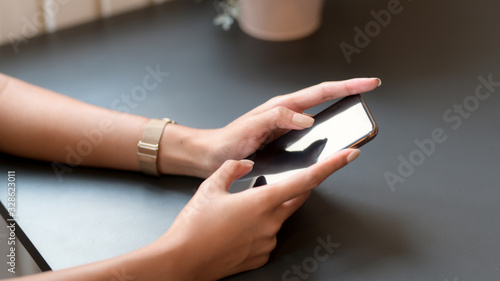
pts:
[245, 135]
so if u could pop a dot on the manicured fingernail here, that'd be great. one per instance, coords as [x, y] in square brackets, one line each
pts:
[248, 162]
[379, 81]
[353, 155]
[302, 120]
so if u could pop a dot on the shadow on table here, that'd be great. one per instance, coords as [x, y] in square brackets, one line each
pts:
[45, 174]
[363, 236]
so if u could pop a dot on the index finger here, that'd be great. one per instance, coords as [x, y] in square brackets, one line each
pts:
[311, 177]
[309, 97]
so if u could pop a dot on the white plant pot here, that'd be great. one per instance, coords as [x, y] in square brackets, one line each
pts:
[280, 20]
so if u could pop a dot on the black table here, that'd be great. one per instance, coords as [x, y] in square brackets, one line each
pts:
[419, 204]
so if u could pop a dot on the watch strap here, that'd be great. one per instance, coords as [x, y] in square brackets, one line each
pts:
[148, 147]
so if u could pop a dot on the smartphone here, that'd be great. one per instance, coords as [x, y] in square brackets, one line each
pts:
[347, 123]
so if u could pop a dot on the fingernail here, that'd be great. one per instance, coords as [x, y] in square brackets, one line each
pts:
[379, 81]
[302, 120]
[248, 162]
[353, 155]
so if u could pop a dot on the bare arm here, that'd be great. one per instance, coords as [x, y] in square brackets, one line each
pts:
[208, 242]
[40, 124]
[200, 245]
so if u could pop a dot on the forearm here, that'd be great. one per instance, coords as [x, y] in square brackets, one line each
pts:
[43, 125]
[152, 263]
[40, 124]
[201, 244]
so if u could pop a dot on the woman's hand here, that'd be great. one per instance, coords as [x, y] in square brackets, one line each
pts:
[93, 136]
[194, 152]
[221, 234]
[265, 123]
[217, 234]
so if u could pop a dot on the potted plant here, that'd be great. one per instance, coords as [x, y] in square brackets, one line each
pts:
[274, 20]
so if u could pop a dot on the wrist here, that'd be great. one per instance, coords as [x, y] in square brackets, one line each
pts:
[184, 151]
[161, 260]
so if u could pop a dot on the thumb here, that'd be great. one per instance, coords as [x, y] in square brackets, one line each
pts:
[230, 171]
[311, 177]
[281, 117]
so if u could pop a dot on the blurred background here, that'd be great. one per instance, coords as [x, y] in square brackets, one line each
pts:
[29, 18]
[437, 223]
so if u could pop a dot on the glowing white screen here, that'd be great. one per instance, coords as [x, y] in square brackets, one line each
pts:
[345, 129]
[339, 126]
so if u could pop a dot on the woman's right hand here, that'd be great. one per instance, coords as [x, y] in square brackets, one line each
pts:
[219, 234]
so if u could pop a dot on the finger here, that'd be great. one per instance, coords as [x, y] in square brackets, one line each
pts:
[286, 209]
[315, 95]
[320, 93]
[311, 177]
[282, 118]
[230, 171]
[272, 123]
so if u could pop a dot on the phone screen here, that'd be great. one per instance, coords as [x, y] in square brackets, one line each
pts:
[347, 123]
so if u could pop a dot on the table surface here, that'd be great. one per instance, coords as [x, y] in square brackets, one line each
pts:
[416, 205]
